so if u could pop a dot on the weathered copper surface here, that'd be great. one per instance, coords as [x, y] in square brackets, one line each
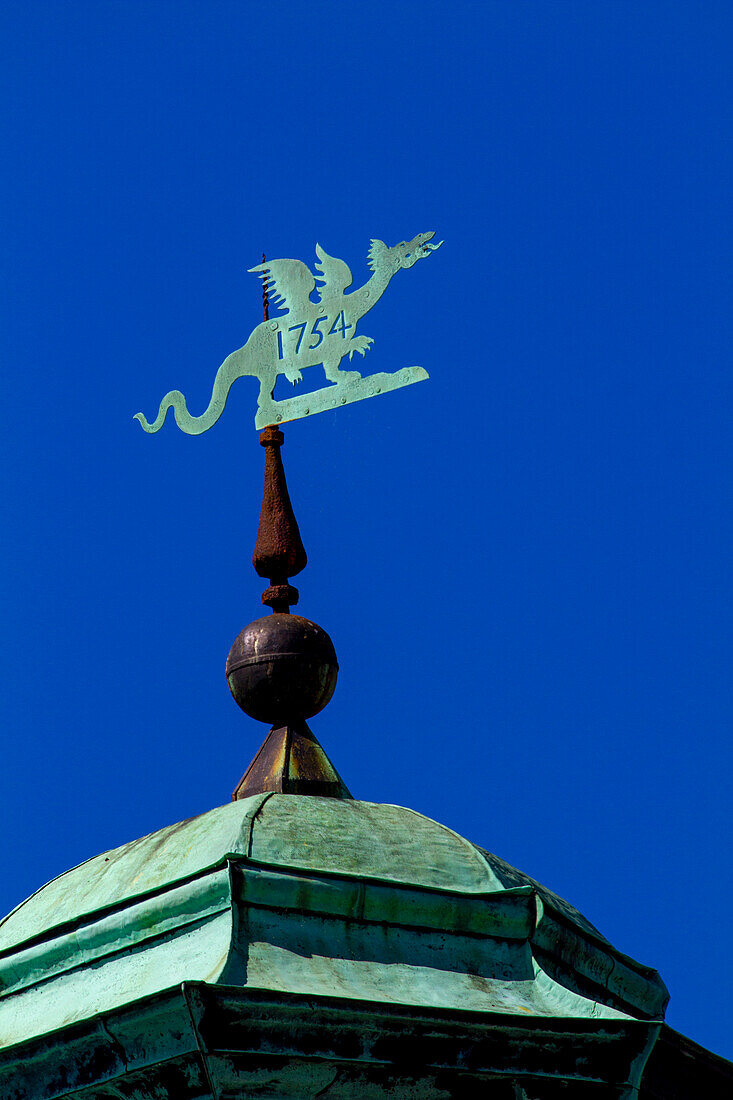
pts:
[282, 669]
[287, 946]
[197, 1042]
[279, 552]
[291, 761]
[307, 895]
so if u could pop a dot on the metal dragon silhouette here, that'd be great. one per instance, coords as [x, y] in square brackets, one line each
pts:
[309, 333]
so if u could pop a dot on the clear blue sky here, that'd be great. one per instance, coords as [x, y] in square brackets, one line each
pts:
[524, 563]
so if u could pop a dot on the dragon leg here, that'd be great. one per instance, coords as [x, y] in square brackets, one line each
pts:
[333, 374]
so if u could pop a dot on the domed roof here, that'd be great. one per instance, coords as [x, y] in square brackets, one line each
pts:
[336, 896]
[354, 839]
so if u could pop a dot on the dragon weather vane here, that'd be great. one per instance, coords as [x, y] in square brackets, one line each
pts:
[309, 333]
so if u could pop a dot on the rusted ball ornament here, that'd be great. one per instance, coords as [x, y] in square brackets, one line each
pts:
[282, 668]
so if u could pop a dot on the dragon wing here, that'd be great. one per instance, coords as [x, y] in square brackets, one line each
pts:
[334, 274]
[288, 282]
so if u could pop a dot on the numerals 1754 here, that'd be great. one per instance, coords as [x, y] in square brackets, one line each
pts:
[316, 329]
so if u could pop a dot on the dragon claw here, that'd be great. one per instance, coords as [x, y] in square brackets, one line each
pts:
[360, 344]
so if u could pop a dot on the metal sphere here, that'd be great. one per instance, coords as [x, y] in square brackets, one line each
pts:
[282, 668]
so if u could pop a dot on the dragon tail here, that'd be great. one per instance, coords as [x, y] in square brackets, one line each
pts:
[191, 425]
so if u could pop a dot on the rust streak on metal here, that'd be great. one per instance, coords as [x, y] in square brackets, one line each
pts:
[279, 552]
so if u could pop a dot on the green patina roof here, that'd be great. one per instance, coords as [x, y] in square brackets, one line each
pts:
[359, 839]
[315, 896]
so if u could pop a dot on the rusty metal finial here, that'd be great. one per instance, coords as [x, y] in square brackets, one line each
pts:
[282, 669]
[279, 552]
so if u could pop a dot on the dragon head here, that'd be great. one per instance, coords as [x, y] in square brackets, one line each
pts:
[402, 255]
